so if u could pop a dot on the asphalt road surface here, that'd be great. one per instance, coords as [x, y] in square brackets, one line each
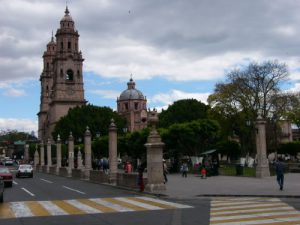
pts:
[47, 199]
[52, 200]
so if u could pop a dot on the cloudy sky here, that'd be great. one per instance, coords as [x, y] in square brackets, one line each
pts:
[173, 48]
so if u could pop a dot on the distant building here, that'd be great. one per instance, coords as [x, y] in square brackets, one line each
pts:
[132, 105]
[61, 78]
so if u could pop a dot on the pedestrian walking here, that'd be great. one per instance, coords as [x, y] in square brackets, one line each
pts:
[203, 173]
[280, 173]
[184, 169]
[165, 171]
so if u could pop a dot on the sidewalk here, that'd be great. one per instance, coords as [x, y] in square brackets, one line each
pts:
[193, 186]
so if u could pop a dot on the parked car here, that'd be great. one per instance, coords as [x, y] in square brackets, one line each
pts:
[6, 176]
[1, 189]
[25, 170]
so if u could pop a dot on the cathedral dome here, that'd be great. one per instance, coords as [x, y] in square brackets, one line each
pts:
[131, 93]
[67, 17]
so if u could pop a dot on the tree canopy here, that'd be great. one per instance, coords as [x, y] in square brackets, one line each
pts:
[182, 111]
[96, 118]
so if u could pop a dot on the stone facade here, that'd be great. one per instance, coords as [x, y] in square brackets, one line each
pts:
[132, 105]
[61, 79]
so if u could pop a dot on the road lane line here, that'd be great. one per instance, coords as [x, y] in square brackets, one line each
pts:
[20, 209]
[14, 182]
[37, 209]
[68, 207]
[83, 207]
[52, 208]
[118, 208]
[47, 181]
[93, 204]
[74, 190]
[28, 192]
[5, 211]
[137, 203]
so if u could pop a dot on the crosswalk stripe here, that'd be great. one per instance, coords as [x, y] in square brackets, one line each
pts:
[37, 209]
[125, 204]
[93, 204]
[5, 211]
[83, 207]
[53, 209]
[224, 212]
[258, 206]
[250, 216]
[116, 207]
[175, 205]
[70, 209]
[260, 211]
[20, 209]
[165, 206]
[143, 205]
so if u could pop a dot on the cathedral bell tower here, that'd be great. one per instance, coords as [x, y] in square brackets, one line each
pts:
[61, 80]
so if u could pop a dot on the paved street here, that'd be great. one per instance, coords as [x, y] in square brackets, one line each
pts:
[49, 199]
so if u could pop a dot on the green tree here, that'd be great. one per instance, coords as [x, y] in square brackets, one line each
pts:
[96, 118]
[181, 111]
[190, 138]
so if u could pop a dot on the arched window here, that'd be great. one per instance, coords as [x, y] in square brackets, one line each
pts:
[70, 75]
[78, 74]
[69, 45]
[61, 45]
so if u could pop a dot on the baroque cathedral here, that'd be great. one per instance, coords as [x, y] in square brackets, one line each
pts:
[62, 84]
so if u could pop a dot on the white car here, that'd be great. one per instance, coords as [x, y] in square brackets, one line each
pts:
[24, 170]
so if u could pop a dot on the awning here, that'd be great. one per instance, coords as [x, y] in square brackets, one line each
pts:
[208, 152]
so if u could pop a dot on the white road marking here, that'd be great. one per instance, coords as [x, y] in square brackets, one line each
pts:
[116, 207]
[180, 206]
[74, 190]
[222, 218]
[47, 181]
[260, 222]
[15, 182]
[28, 192]
[251, 210]
[82, 206]
[20, 209]
[144, 205]
[52, 208]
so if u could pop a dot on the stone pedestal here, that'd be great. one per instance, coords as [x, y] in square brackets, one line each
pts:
[26, 153]
[49, 160]
[113, 161]
[154, 147]
[42, 154]
[87, 153]
[71, 154]
[36, 159]
[58, 154]
[262, 168]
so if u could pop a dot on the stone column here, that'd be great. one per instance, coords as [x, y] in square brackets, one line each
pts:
[58, 154]
[36, 158]
[49, 160]
[42, 154]
[113, 161]
[71, 154]
[26, 153]
[88, 149]
[87, 153]
[79, 160]
[262, 168]
[154, 147]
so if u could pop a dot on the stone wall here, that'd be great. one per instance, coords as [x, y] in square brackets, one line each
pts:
[98, 176]
[63, 172]
[77, 174]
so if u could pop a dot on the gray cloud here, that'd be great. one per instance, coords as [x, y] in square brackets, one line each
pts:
[151, 37]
